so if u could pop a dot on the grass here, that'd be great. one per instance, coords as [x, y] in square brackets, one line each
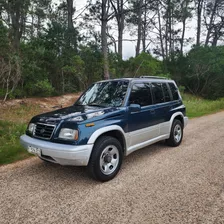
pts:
[197, 106]
[10, 148]
[20, 113]
[15, 119]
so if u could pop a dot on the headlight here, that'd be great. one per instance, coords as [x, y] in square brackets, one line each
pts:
[70, 134]
[79, 118]
[31, 127]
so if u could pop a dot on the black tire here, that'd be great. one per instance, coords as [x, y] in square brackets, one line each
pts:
[174, 139]
[107, 150]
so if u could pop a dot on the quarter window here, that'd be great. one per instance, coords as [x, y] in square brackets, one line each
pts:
[174, 91]
[158, 93]
[140, 94]
[166, 92]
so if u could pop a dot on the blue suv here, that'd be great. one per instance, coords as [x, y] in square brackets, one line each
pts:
[110, 120]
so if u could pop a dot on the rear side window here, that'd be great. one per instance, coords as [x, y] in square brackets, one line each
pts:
[174, 91]
[157, 92]
[166, 92]
[140, 94]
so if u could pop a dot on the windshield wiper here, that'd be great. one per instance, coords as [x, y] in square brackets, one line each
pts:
[79, 104]
[95, 105]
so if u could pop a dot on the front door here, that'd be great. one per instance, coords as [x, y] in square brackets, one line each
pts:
[141, 123]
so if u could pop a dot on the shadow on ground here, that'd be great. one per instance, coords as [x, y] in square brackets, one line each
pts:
[45, 171]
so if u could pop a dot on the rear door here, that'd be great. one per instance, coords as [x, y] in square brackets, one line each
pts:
[162, 102]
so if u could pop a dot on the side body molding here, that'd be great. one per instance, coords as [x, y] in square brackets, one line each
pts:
[128, 149]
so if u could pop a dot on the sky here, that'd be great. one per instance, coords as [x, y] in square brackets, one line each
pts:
[129, 46]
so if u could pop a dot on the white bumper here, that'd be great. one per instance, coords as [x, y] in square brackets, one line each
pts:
[76, 155]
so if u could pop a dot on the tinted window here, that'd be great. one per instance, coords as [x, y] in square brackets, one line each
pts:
[157, 92]
[140, 94]
[174, 91]
[166, 92]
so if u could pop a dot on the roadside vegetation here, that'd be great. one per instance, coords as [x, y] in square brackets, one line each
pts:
[197, 106]
[10, 149]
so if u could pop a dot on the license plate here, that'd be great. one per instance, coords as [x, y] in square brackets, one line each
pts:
[34, 150]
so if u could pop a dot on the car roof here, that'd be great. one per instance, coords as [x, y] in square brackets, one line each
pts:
[140, 79]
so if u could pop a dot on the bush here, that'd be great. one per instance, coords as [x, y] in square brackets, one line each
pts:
[143, 65]
[42, 88]
[201, 71]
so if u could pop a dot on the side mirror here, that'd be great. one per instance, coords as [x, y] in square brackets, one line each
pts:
[134, 108]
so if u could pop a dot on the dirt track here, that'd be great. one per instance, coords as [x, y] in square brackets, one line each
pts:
[156, 185]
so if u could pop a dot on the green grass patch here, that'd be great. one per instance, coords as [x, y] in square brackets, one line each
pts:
[10, 148]
[197, 106]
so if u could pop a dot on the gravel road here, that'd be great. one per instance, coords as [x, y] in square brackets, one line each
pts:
[157, 184]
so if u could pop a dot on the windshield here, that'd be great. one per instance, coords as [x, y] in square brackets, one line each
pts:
[104, 94]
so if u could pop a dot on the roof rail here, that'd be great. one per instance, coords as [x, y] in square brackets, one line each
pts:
[152, 77]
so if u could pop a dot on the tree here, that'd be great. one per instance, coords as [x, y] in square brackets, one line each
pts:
[143, 64]
[214, 21]
[15, 13]
[201, 71]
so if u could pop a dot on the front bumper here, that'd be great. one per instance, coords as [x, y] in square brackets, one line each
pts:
[75, 155]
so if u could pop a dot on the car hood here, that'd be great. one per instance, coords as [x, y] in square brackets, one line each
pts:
[76, 113]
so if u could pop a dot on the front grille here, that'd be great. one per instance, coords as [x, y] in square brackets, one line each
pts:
[44, 130]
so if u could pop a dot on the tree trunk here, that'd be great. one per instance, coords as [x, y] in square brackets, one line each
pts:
[38, 25]
[217, 34]
[32, 24]
[139, 27]
[119, 15]
[182, 37]
[144, 24]
[215, 40]
[120, 26]
[210, 24]
[120, 41]
[70, 14]
[184, 18]
[104, 38]
[160, 33]
[170, 28]
[16, 17]
[199, 11]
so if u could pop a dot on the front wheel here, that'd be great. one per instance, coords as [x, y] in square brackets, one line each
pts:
[176, 134]
[106, 158]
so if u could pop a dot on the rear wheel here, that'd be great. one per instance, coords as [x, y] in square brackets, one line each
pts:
[176, 134]
[106, 158]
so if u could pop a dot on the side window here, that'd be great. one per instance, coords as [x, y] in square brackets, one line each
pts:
[166, 92]
[174, 91]
[140, 94]
[157, 91]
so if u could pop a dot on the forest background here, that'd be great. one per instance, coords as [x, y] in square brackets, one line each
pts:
[50, 48]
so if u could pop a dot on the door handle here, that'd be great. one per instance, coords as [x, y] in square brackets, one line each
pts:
[152, 111]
